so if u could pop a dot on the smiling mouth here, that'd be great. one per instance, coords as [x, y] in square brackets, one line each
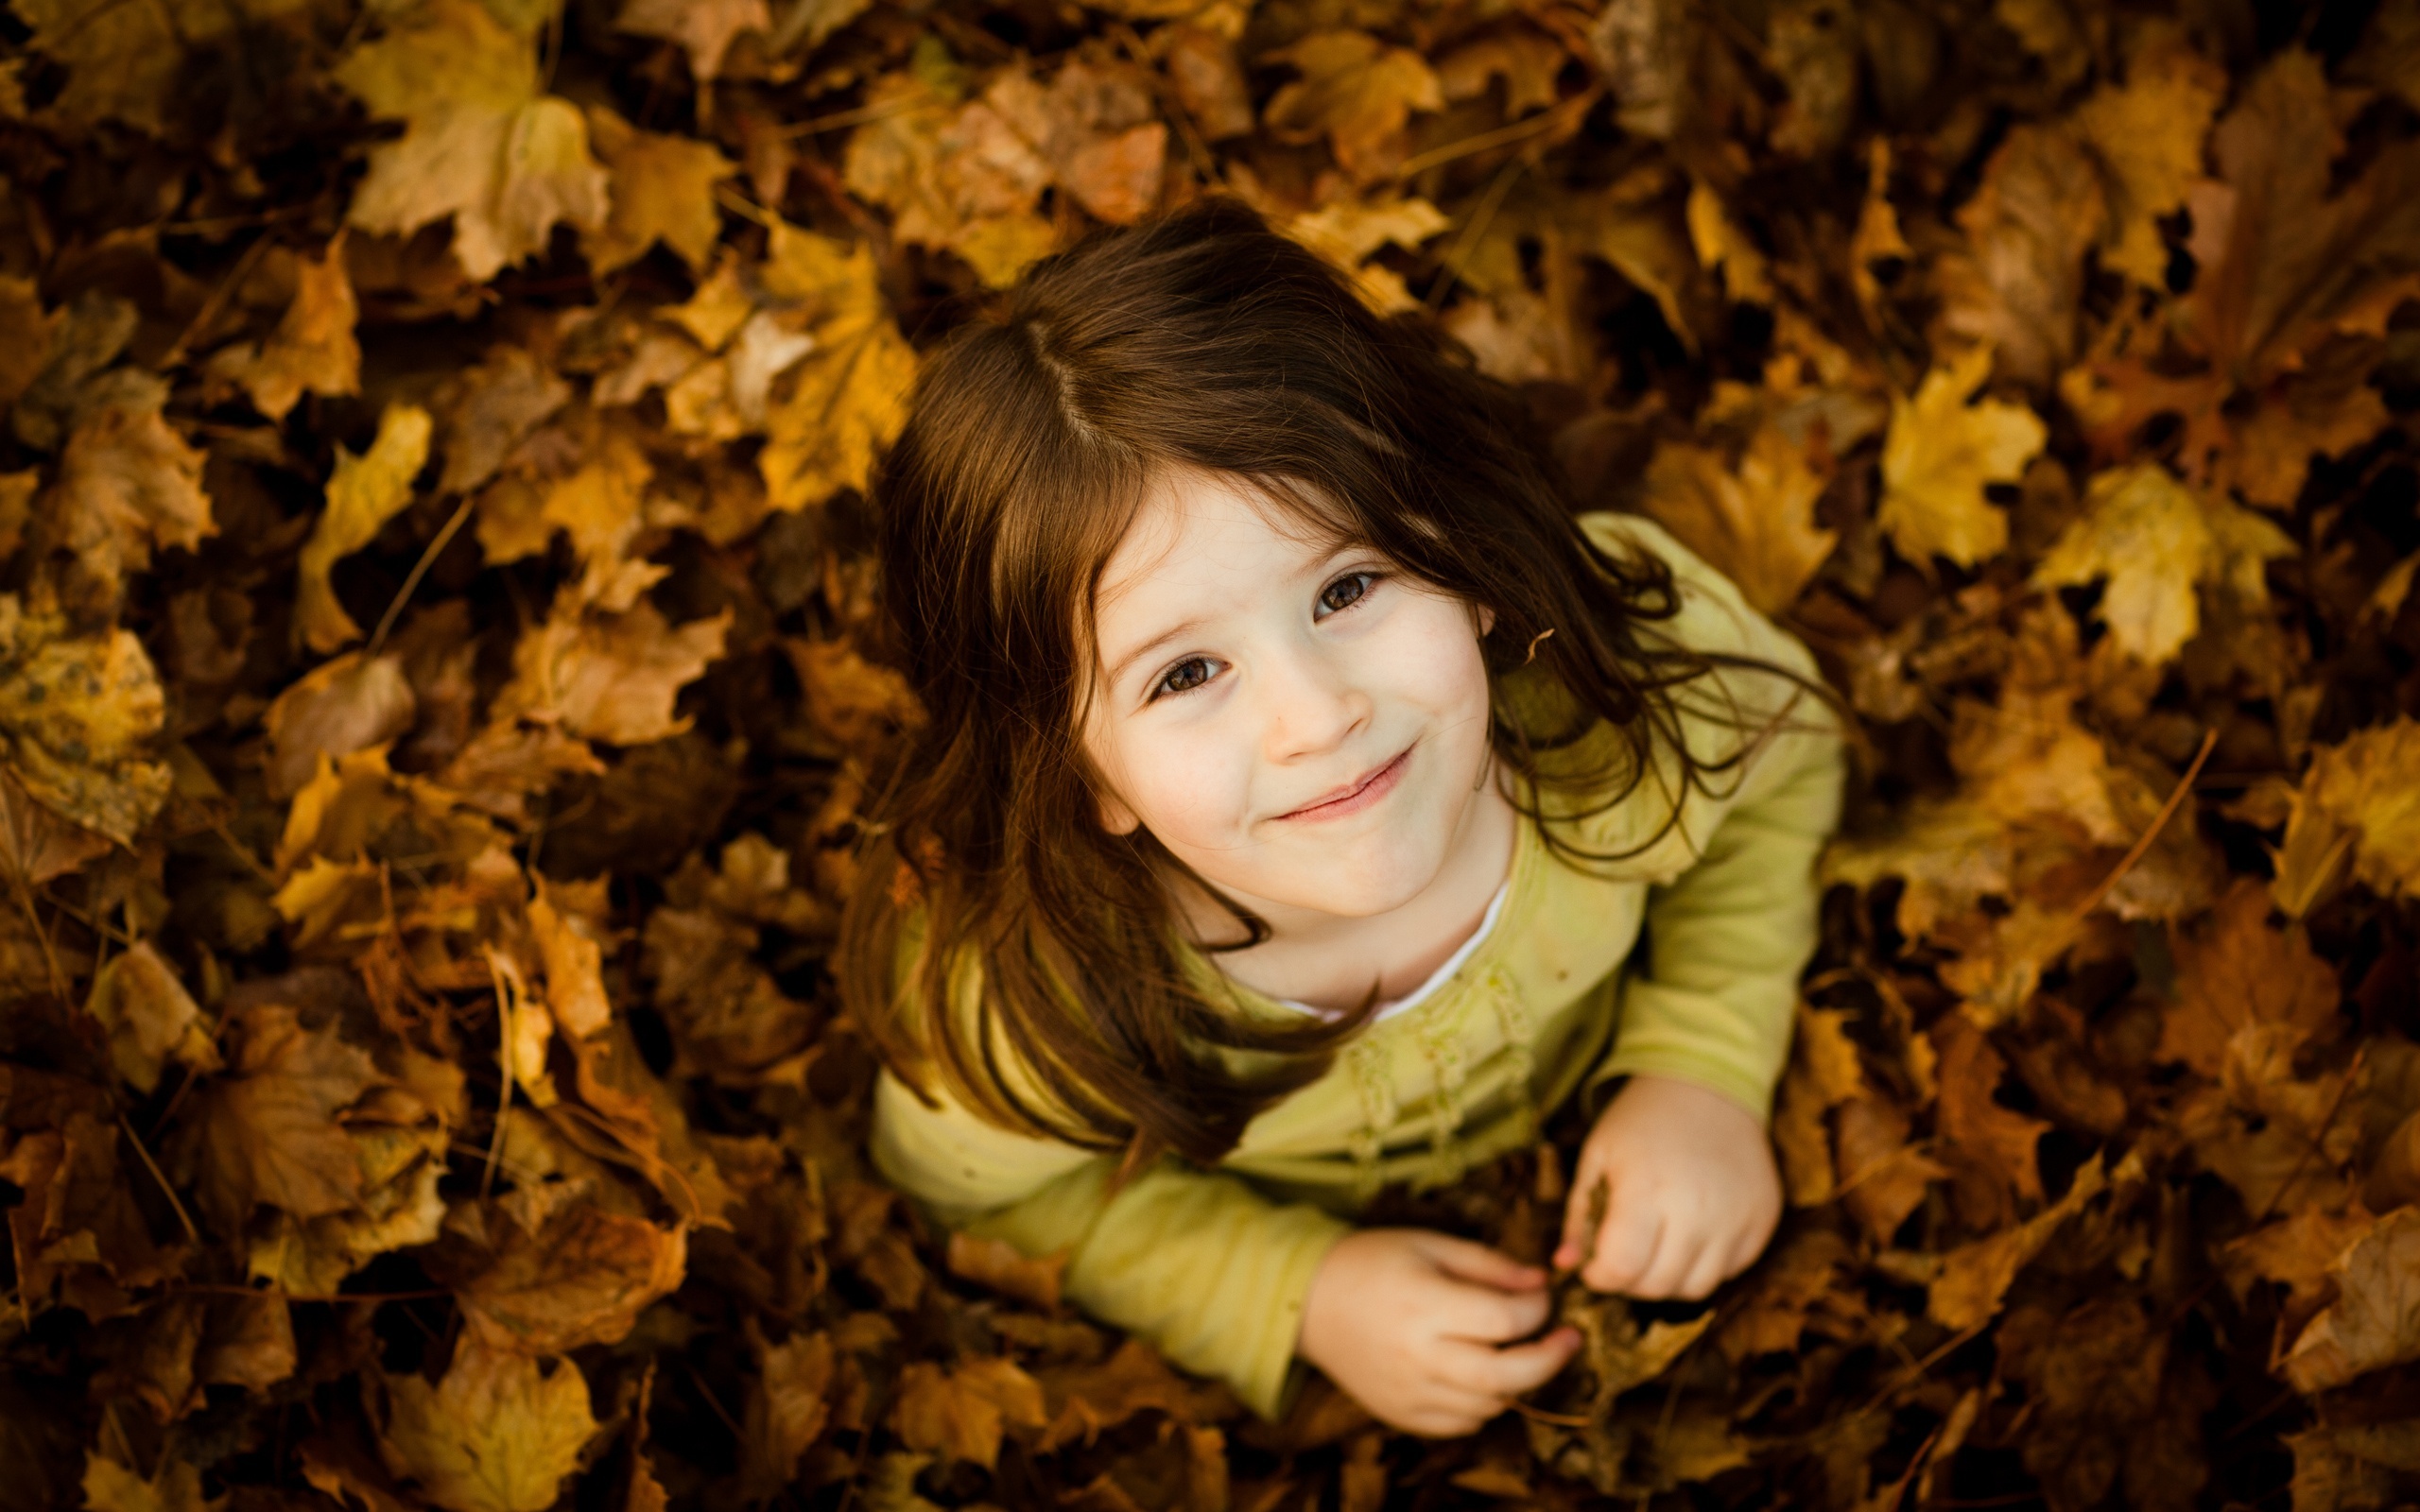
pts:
[1360, 796]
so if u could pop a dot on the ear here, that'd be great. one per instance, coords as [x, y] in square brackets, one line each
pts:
[1486, 618]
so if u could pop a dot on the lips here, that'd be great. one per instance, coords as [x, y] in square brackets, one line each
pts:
[1356, 795]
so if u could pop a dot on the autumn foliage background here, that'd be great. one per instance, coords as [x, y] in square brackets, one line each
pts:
[438, 687]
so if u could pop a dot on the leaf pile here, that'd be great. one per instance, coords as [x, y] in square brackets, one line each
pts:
[434, 717]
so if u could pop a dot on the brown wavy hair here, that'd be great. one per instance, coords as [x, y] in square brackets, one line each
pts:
[1004, 940]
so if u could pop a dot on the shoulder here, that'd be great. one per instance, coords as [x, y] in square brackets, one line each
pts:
[1714, 618]
[1749, 723]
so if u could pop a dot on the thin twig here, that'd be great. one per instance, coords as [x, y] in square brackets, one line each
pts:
[420, 570]
[153, 1166]
[2143, 847]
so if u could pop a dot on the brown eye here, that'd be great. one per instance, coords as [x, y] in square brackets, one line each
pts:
[1185, 676]
[1346, 591]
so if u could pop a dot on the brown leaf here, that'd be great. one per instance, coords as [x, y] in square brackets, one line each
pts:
[787, 1409]
[1974, 1278]
[149, 1016]
[339, 707]
[703, 28]
[581, 1277]
[498, 1433]
[1006, 1269]
[2245, 990]
[2374, 1320]
[963, 1411]
[1972, 1120]
[267, 1130]
[312, 351]
[664, 190]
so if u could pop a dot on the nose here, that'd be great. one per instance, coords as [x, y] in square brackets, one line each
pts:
[1309, 706]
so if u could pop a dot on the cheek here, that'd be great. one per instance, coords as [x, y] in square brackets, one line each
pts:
[1184, 782]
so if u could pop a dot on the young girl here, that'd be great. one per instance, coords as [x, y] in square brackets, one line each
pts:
[1308, 803]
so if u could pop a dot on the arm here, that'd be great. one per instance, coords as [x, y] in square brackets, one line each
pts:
[1199, 1263]
[1727, 938]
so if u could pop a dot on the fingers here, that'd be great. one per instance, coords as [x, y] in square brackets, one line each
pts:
[1517, 1369]
[1486, 1316]
[1465, 1261]
[1625, 1248]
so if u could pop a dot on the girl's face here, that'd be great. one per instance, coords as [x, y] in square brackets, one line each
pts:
[1305, 728]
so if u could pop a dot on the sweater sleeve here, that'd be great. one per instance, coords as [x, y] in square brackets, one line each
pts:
[1728, 933]
[1197, 1262]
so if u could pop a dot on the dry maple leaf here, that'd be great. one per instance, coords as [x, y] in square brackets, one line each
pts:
[2374, 1320]
[151, 1018]
[847, 399]
[78, 719]
[610, 678]
[266, 1131]
[2147, 135]
[480, 143]
[2016, 285]
[1755, 524]
[1974, 1278]
[123, 61]
[128, 484]
[2159, 546]
[1357, 92]
[1940, 452]
[2361, 791]
[963, 1411]
[341, 706]
[2245, 990]
[363, 495]
[110, 1487]
[580, 1277]
[788, 1407]
[664, 190]
[313, 349]
[703, 28]
[497, 1433]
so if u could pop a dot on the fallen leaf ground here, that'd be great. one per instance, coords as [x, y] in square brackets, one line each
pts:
[438, 685]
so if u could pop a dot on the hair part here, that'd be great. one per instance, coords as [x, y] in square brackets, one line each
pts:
[1198, 340]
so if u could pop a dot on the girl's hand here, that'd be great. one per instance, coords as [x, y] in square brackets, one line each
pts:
[1692, 1193]
[1418, 1326]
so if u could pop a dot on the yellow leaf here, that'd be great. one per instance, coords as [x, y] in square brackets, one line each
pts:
[126, 483]
[846, 399]
[613, 680]
[313, 349]
[110, 1487]
[2365, 788]
[2147, 135]
[1722, 247]
[1756, 524]
[1940, 453]
[1357, 92]
[2158, 545]
[77, 718]
[574, 957]
[365, 493]
[480, 143]
[498, 1433]
[960, 178]
[703, 28]
[149, 1016]
[963, 1412]
[664, 190]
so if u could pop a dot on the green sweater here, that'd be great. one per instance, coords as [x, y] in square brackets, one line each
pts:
[1213, 1266]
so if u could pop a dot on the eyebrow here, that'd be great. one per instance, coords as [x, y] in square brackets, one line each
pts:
[1174, 632]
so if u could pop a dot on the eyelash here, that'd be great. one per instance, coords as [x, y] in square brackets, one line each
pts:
[1372, 579]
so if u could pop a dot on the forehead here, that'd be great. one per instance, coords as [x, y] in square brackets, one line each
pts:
[1195, 529]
